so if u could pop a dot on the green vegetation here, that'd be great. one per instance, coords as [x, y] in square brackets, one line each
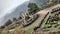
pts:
[49, 4]
[52, 25]
[53, 2]
[14, 19]
[4, 32]
[29, 31]
[47, 25]
[8, 22]
[44, 21]
[33, 8]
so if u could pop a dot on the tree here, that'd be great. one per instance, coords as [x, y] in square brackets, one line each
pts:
[14, 19]
[33, 8]
[1, 27]
[42, 6]
[8, 22]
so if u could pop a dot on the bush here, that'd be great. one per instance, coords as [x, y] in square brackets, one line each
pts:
[8, 23]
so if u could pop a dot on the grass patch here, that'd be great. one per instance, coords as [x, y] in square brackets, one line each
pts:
[29, 31]
[52, 14]
[4, 32]
[47, 25]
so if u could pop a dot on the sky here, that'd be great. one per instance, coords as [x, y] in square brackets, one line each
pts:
[6, 6]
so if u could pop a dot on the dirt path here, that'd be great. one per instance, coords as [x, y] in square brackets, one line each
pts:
[42, 14]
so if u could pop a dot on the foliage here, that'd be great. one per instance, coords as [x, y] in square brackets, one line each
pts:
[53, 2]
[4, 32]
[49, 4]
[33, 8]
[1, 27]
[8, 22]
[14, 19]
[42, 6]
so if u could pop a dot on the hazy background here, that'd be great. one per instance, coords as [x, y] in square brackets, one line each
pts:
[7, 7]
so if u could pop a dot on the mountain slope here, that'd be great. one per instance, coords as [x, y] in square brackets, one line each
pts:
[16, 12]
